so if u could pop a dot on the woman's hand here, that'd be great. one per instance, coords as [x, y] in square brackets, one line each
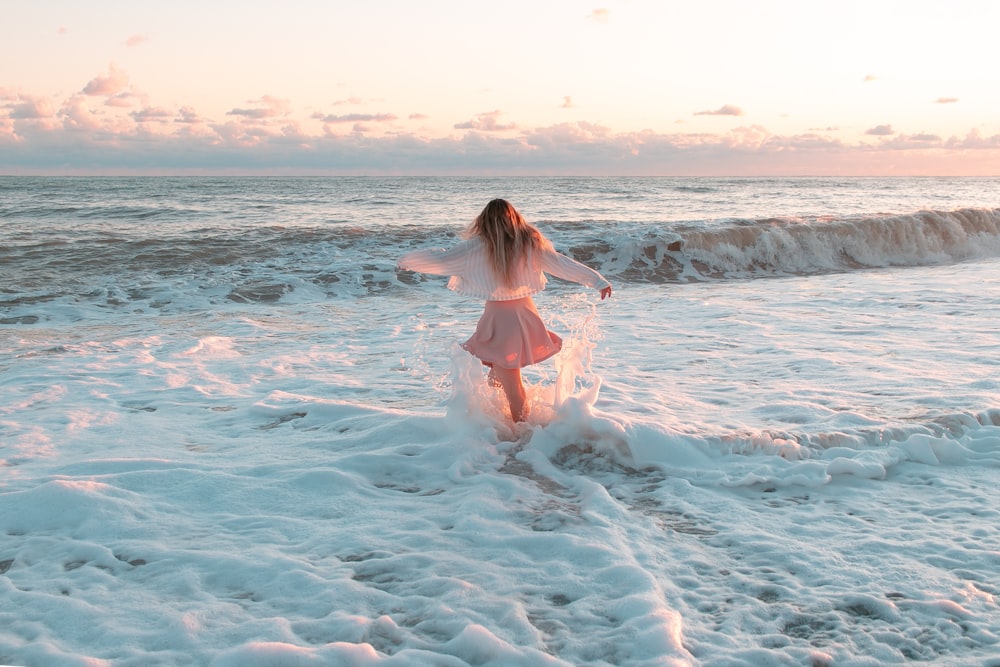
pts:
[606, 292]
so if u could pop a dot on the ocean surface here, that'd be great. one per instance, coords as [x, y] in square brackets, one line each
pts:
[232, 434]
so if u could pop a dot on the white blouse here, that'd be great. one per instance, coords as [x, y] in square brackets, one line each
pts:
[471, 274]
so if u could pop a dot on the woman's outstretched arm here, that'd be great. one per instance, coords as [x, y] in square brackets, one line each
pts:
[437, 261]
[567, 268]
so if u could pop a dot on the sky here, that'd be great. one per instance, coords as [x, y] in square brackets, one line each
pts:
[464, 87]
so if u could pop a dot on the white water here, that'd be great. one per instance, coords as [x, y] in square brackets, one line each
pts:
[789, 471]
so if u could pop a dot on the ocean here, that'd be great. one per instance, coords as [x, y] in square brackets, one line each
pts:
[232, 434]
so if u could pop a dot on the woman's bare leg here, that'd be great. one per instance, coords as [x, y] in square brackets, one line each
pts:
[510, 380]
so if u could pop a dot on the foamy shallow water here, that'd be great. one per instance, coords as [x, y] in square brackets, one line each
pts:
[790, 471]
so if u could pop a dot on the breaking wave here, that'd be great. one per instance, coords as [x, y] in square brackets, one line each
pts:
[266, 263]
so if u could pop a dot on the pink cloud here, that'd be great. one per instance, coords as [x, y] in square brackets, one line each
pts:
[726, 110]
[975, 141]
[567, 102]
[83, 133]
[148, 115]
[417, 116]
[136, 40]
[241, 135]
[870, 77]
[880, 131]
[355, 118]
[112, 84]
[271, 107]
[188, 115]
[799, 143]
[581, 132]
[78, 116]
[946, 100]
[908, 142]
[122, 100]
[753, 137]
[256, 114]
[486, 122]
[7, 134]
[32, 108]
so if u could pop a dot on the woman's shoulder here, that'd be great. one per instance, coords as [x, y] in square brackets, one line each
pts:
[464, 249]
[472, 244]
[541, 241]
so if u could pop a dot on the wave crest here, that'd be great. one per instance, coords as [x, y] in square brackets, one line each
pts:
[784, 246]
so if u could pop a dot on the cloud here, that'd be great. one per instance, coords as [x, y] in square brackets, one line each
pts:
[84, 134]
[78, 116]
[870, 77]
[30, 108]
[726, 110]
[600, 15]
[256, 114]
[485, 122]
[112, 84]
[122, 100]
[567, 102]
[803, 143]
[974, 140]
[880, 131]
[135, 40]
[355, 118]
[564, 134]
[188, 115]
[148, 115]
[946, 100]
[270, 107]
[907, 142]
[417, 116]
[349, 100]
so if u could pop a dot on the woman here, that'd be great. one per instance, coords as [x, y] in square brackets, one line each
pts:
[503, 260]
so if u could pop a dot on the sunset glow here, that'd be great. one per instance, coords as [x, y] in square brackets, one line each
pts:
[623, 87]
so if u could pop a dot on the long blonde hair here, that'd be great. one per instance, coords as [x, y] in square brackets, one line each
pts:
[508, 237]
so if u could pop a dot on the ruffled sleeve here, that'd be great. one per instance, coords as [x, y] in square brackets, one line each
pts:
[567, 268]
[437, 261]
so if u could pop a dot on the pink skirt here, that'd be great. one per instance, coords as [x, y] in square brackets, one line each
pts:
[511, 334]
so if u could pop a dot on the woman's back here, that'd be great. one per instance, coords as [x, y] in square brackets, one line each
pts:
[508, 237]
